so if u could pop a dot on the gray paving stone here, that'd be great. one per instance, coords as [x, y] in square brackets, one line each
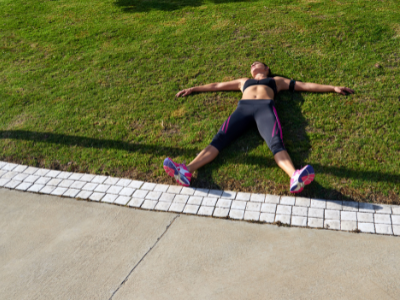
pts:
[209, 201]
[315, 223]
[205, 211]
[396, 210]
[188, 191]
[43, 180]
[243, 196]
[83, 195]
[47, 189]
[287, 200]
[165, 197]
[76, 176]
[383, 209]
[366, 207]
[301, 201]
[136, 202]
[195, 200]
[102, 188]
[20, 177]
[114, 189]
[110, 198]
[257, 197]
[35, 188]
[128, 192]
[54, 182]
[365, 217]
[366, 227]
[148, 186]
[396, 229]
[299, 221]
[99, 179]
[300, 211]
[236, 214]
[181, 199]
[176, 207]
[9, 175]
[215, 193]
[149, 204]
[124, 182]
[348, 225]
[76, 184]
[253, 206]
[9, 167]
[238, 205]
[4, 181]
[121, 200]
[96, 196]
[89, 186]
[383, 229]
[350, 206]
[20, 168]
[58, 191]
[64, 175]
[31, 170]
[31, 178]
[111, 180]
[332, 224]
[53, 173]
[284, 219]
[382, 219]
[41, 172]
[71, 193]
[23, 186]
[267, 218]
[220, 212]
[137, 184]
[332, 214]
[395, 219]
[284, 210]
[229, 195]
[268, 208]
[140, 194]
[2, 164]
[153, 195]
[334, 204]
[191, 209]
[2, 173]
[174, 189]
[161, 188]
[224, 203]
[316, 213]
[318, 203]
[348, 216]
[66, 183]
[251, 215]
[163, 206]
[12, 184]
[87, 177]
[201, 192]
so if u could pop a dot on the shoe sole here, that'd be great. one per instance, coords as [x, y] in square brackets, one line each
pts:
[172, 171]
[306, 176]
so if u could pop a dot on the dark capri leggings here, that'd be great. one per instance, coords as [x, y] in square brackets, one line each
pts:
[263, 113]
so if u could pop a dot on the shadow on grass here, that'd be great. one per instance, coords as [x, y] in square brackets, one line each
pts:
[165, 5]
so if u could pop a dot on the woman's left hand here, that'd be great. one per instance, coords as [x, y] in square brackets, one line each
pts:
[343, 90]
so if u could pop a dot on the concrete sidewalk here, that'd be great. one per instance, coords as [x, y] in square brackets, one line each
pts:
[59, 248]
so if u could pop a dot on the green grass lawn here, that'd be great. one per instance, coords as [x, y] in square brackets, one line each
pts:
[89, 86]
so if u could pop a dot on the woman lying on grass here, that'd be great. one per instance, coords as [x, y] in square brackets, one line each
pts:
[256, 105]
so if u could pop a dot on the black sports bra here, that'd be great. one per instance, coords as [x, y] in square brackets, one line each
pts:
[270, 82]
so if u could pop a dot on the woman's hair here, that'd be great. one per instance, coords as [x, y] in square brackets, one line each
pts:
[269, 70]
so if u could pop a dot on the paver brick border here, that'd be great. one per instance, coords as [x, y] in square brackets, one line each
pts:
[252, 207]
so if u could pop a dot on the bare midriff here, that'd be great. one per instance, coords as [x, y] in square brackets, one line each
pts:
[255, 92]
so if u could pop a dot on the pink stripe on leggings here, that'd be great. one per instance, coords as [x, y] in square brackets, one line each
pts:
[226, 129]
[279, 123]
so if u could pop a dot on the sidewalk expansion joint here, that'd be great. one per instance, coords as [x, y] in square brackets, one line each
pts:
[158, 239]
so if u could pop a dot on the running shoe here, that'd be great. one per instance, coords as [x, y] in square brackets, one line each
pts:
[178, 171]
[301, 178]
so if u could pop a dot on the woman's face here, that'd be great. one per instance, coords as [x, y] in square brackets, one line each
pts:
[258, 67]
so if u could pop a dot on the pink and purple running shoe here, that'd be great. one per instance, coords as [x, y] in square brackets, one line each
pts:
[178, 171]
[301, 178]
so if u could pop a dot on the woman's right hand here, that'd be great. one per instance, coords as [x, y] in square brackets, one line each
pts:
[184, 92]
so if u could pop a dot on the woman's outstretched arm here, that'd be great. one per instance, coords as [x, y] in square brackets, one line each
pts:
[283, 84]
[234, 85]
